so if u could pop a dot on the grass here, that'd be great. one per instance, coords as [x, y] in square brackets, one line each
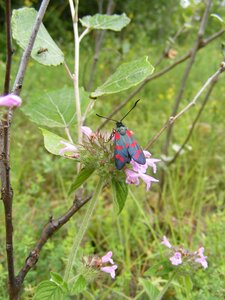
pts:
[192, 197]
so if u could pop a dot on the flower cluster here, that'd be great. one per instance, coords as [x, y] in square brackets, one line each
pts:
[138, 172]
[180, 255]
[100, 263]
[100, 152]
[10, 100]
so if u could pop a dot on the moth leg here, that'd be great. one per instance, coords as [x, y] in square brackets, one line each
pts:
[111, 136]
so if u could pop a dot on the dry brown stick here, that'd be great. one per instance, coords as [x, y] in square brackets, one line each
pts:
[172, 119]
[187, 72]
[49, 229]
[203, 44]
[6, 190]
[207, 96]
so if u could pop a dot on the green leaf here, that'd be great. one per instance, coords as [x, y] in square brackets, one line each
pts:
[149, 288]
[120, 192]
[84, 174]
[52, 141]
[126, 76]
[99, 21]
[79, 285]
[54, 109]
[160, 268]
[48, 290]
[59, 280]
[45, 50]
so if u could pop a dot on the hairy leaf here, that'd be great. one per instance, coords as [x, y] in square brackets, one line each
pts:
[84, 174]
[120, 192]
[45, 50]
[79, 285]
[149, 288]
[54, 109]
[53, 141]
[126, 76]
[99, 21]
[48, 290]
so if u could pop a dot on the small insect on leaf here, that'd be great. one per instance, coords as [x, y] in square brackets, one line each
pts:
[125, 145]
[42, 50]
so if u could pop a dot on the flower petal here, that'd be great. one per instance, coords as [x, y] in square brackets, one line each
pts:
[176, 259]
[10, 100]
[132, 177]
[107, 258]
[87, 131]
[165, 242]
[110, 270]
[69, 148]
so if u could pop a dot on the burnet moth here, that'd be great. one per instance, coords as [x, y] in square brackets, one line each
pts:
[125, 145]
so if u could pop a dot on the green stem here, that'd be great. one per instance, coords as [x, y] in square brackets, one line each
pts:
[144, 215]
[161, 294]
[83, 227]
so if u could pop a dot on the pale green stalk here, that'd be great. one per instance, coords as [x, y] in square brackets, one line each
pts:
[144, 215]
[74, 13]
[83, 227]
[163, 291]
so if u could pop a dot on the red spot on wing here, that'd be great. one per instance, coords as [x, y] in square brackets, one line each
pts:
[117, 156]
[117, 136]
[133, 144]
[128, 133]
[117, 147]
[137, 153]
[127, 145]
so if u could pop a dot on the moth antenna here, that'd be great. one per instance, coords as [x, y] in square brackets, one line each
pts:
[130, 110]
[106, 118]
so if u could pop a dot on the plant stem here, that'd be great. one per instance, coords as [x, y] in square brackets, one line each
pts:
[74, 13]
[161, 294]
[83, 227]
[144, 215]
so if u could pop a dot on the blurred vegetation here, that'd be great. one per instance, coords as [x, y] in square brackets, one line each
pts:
[194, 190]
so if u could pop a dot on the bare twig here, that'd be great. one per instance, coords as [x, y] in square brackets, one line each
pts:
[49, 229]
[172, 119]
[6, 190]
[27, 52]
[9, 46]
[203, 44]
[187, 73]
[207, 96]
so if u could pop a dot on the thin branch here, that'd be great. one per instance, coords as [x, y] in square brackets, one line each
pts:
[6, 190]
[68, 71]
[172, 119]
[203, 44]
[9, 46]
[187, 73]
[27, 52]
[49, 229]
[207, 96]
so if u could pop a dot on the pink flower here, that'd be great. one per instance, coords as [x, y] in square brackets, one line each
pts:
[165, 242]
[147, 179]
[69, 148]
[110, 270]
[201, 259]
[176, 259]
[87, 131]
[132, 177]
[137, 167]
[10, 100]
[151, 163]
[107, 258]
